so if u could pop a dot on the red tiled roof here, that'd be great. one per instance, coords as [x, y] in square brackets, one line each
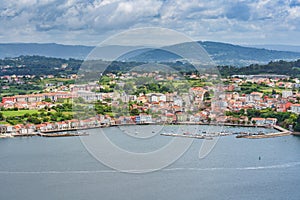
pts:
[257, 118]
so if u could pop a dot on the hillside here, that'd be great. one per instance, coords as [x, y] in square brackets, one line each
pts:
[40, 65]
[221, 53]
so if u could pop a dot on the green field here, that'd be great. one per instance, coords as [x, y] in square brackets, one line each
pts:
[18, 113]
[69, 113]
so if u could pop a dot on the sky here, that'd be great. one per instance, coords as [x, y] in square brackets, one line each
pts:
[89, 22]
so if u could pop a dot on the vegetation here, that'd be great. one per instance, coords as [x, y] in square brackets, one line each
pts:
[279, 67]
[40, 65]
[59, 113]
[284, 118]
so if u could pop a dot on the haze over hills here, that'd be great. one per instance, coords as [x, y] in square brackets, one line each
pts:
[44, 49]
[221, 53]
[277, 47]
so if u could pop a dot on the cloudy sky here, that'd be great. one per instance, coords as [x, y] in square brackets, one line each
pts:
[89, 22]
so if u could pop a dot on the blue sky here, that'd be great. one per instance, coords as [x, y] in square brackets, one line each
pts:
[88, 22]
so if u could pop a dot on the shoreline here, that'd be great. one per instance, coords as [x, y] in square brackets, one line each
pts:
[67, 132]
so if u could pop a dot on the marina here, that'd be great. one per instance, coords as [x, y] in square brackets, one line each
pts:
[205, 135]
[282, 132]
[202, 134]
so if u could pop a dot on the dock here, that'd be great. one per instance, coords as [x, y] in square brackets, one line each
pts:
[296, 133]
[61, 134]
[182, 135]
[197, 136]
[6, 136]
[283, 132]
[73, 129]
[24, 134]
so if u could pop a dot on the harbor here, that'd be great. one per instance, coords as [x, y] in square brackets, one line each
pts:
[258, 135]
[69, 132]
[282, 132]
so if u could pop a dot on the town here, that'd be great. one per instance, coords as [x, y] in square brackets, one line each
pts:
[151, 97]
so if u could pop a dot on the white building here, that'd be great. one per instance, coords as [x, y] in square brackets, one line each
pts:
[287, 93]
[295, 108]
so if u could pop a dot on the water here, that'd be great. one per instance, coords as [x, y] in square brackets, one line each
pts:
[61, 168]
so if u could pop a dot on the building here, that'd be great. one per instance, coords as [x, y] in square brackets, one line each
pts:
[264, 121]
[33, 98]
[295, 108]
[258, 120]
[271, 121]
[144, 118]
[287, 93]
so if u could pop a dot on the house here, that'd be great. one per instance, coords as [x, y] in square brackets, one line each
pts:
[10, 129]
[74, 123]
[264, 121]
[287, 93]
[258, 120]
[295, 108]
[181, 116]
[144, 118]
[271, 121]
[30, 128]
[254, 96]
[41, 127]
[62, 125]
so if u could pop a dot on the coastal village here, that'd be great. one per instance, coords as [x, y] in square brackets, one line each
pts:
[201, 102]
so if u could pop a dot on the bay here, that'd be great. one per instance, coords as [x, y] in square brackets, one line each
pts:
[62, 168]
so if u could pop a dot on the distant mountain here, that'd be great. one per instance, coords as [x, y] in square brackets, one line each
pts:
[241, 56]
[278, 47]
[221, 53]
[44, 49]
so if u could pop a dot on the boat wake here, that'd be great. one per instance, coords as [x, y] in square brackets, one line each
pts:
[279, 166]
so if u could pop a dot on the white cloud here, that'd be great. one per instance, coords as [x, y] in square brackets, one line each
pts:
[86, 21]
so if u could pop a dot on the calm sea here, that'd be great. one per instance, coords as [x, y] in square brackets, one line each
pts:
[61, 168]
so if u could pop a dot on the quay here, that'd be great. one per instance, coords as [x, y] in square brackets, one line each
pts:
[182, 135]
[197, 136]
[71, 131]
[296, 133]
[61, 134]
[282, 132]
[6, 136]
[24, 134]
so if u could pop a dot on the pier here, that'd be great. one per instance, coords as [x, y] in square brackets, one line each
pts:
[61, 134]
[197, 136]
[296, 133]
[182, 135]
[283, 132]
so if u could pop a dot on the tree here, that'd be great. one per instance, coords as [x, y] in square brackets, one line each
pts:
[47, 100]
[297, 126]
[134, 112]
[206, 96]
[1, 116]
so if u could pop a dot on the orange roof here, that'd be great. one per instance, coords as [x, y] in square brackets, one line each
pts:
[169, 114]
[258, 118]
